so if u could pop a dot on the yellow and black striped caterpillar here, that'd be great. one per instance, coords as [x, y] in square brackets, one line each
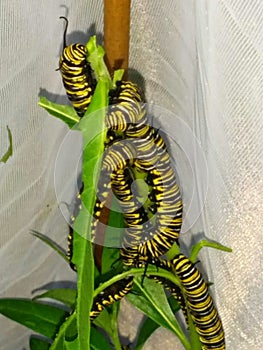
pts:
[113, 293]
[158, 237]
[194, 294]
[135, 215]
[128, 115]
[126, 107]
[76, 75]
[144, 149]
[198, 301]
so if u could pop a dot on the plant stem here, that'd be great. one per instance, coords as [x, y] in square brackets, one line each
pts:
[117, 34]
[114, 327]
[135, 272]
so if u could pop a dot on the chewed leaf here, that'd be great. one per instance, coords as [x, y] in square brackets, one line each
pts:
[95, 58]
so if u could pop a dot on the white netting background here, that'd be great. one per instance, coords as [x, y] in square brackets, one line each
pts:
[200, 59]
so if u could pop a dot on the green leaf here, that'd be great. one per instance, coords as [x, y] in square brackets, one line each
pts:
[93, 132]
[9, 152]
[113, 234]
[64, 112]
[38, 344]
[115, 227]
[95, 58]
[98, 340]
[118, 74]
[152, 301]
[42, 318]
[110, 257]
[147, 329]
[198, 246]
[50, 243]
[85, 290]
[64, 295]
[103, 321]
[67, 333]
[115, 308]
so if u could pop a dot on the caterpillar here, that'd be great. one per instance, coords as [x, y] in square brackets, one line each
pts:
[168, 215]
[115, 158]
[155, 239]
[200, 304]
[192, 295]
[163, 231]
[129, 116]
[144, 149]
[70, 248]
[76, 74]
[135, 215]
[113, 293]
[126, 107]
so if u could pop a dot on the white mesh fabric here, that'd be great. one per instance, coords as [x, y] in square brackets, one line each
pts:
[201, 60]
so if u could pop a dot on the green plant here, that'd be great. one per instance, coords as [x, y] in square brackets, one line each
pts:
[66, 325]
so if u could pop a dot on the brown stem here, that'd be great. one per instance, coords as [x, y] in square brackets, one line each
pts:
[116, 45]
[117, 34]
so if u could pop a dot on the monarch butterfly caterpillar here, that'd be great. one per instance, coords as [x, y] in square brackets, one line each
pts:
[128, 115]
[125, 111]
[126, 107]
[139, 227]
[76, 74]
[115, 158]
[200, 304]
[168, 208]
[135, 215]
[114, 292]
[158, 236]
[144, 149]
[192, 295]
[154, 240]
